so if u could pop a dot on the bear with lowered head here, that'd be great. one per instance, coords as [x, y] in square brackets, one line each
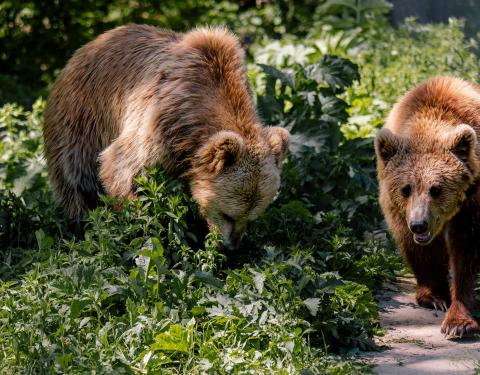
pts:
[138, 96]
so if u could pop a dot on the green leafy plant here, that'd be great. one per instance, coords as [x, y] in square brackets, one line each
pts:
[345, 14]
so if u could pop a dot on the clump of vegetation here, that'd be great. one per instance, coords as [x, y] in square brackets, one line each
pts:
[147, 291]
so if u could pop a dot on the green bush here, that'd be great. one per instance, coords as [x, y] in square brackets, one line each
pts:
[26, 203]
[325, 172]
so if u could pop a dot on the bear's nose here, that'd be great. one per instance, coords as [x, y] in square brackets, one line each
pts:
[419, 227]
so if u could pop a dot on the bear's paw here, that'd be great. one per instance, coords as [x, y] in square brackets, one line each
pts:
[458, 323]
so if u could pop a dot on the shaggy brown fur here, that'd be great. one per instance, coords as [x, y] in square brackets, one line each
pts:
[138, 96]
[428, 161]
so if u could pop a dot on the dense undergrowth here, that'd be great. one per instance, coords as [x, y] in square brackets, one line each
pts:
[149, 291]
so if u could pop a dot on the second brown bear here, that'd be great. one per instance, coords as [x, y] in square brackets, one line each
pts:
[428, 161]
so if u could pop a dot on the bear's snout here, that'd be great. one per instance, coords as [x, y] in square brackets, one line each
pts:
[233, 241]
[420, 219]
[419, 227]
[421, 234]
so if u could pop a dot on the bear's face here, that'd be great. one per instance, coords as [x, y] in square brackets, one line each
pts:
[429, 189]
[234, 182]
[427, 183]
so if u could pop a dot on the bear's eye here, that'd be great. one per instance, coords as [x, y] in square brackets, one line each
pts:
[228, 219]
[435, 191]
[406, 191]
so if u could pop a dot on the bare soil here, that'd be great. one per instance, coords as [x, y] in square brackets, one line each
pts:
[413, 344]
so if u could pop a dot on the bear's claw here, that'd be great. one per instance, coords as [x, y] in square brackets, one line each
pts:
[462, 329]
[442, 306]
[433, 302]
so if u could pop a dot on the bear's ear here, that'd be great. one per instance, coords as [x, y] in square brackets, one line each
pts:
[386, 145]
[463, 142]
[222, 150]
[278, 138]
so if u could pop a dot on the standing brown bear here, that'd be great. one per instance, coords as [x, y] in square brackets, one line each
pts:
[138, 96]
[428, 169]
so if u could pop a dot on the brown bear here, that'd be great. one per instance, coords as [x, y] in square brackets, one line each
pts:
[428, 162]
[139, 96]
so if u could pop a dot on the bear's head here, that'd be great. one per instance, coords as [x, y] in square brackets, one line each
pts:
[426, 178]
[234, 179]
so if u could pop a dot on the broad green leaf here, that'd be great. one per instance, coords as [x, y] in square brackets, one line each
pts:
[76, 307]
[173, 340]
[337, 73]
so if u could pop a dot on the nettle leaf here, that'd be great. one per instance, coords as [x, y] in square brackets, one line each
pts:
[274, 74]
[152, 253]
[43, 241]
[77, 306]
[270, 109]
[259, 280]
[132, 310]
[334, 108]
[198, 310]
[310, 128]
[208, 278]
[313, 305]
[173, 340]
[336, 72]
[296, 208]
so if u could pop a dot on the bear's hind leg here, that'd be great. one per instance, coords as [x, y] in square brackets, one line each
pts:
[77, 202]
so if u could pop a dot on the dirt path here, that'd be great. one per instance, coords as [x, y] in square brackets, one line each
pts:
[413, 342]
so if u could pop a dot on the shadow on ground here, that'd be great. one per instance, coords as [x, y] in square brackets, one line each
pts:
[413, 344]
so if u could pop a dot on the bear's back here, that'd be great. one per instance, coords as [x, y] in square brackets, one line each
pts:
[126, 69]
[435, 106]
[91, 90]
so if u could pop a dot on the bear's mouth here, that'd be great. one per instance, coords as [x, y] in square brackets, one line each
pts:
[422, 238]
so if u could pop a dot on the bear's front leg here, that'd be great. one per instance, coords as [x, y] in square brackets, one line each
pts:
[122, 161]
[463, 250]
[430, 267]
[429, 263]
[118, 169]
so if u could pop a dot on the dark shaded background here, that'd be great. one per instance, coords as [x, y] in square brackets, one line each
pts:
[37, 37]
[439, 11]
